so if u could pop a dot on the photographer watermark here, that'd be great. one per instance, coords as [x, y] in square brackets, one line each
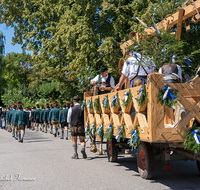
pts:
[16, 177]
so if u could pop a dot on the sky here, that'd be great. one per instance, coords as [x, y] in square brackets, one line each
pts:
[8, 32]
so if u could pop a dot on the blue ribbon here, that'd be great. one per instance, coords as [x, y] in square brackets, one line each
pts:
[135, 136]
[105, 101]
[168, 92]
[117, 136]
[81, 82]
[89, 103]
[114, 99]
[157, 29]
[173, 60]
[136, 56]
[82, 104]
[188, 60]
[99, 131]
[161, 1]
[86, 127]
[88, 67]
[196, 136]
[89, 78]
[127, 63]
[109, 127]
[141, 91]
[92, 131]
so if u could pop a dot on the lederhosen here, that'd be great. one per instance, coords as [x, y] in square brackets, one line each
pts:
[107, 83]
[167, 71]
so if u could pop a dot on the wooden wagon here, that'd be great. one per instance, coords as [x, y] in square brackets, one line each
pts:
[160, 130]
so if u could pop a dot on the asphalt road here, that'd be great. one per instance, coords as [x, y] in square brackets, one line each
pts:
[44, 162]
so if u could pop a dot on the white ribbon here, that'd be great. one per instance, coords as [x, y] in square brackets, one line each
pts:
[92, 131]
[86, 127]
[113, 101]
[117, 136]
[89, 103]
[196, 136]
[109, 127]
[126, 97]
[166, 92]
[99, 131]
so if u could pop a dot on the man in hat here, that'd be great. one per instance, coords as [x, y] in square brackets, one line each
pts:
[76, 119]
[135, 71]
[46, 116]
[63, 120]
[21, 120]
[41, 117]
[32, 117]
[54, 117]
[12, 116]
[37, 116]
[105, 82]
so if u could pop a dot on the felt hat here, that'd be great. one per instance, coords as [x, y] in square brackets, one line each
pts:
[103, 68]
[76, 98]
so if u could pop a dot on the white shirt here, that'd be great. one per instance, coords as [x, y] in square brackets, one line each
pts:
[70, 114]
[179, 72]
[131, 65]
[103, 79]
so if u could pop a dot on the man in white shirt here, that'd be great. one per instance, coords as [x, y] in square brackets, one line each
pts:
[104, 80]
[136, 68]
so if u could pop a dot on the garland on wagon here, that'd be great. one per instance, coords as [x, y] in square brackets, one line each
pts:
[83, 104]
[127, 99]
[192, 140]
[90, 105]
[168, 96]
[135, 139]
[97, 106]
[86, 129]
[115, 101]
[142, 96]
[92, 130]
[105, 102]
[100, 131]
[109, 133]
[121, 134]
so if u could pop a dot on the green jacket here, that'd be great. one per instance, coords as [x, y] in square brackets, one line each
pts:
[54, 114]
[37, 114]
[46, 115]
[21, 117]
[13, 117]
[41, 115]
[63, 115]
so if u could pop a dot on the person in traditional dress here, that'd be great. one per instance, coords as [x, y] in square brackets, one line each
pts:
[51, 125]
[105, 82]
[46, 116]
[54, 117]
[41, 117]
[63, 120]
[37, 116]
[32, 118]
[76, 119]
[14, 125]
[21, 120]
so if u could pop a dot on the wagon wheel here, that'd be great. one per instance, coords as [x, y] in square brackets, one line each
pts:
[145, 160]
[198, 165]
[112, 150]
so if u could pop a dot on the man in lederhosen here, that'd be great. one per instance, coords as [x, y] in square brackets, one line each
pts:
[54, 117]
[76, 119]
[21, 120]
[37, 116]
[63, 120]
[12, 116]
[41, 117]
[46, 117]
[32, 118]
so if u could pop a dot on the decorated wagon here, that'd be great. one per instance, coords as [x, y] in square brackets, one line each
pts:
[156, 129]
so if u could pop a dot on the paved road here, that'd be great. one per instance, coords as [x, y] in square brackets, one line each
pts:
[44, 162]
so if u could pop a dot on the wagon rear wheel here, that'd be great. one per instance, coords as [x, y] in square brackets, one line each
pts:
[112, 150]
[145, 160]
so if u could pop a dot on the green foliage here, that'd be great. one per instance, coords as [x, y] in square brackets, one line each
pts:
[122, 136]
[97, 106]
[109, 133]
[143, 98]
[190, 143]
[129, 98]
[107, 103]
[132, 143]
[169, 102]
[116, 102]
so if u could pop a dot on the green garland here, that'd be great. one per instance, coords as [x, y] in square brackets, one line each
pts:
[129, 98]
[109, 134]
[169, 102]
[122, 134]
[134, 144]
[189, 141]
[90, 105]
[90, 132]
[83, 104]
[107, 103]
[97, 104]
[101, 134]
[116, 103]
[143, 98]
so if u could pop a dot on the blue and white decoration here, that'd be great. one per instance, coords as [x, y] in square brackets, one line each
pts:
[113, 101]
[109, 127]
[99, 131]
[89, 78]
[82, 106]
[173, 58]
[89, 103]
[86, 127]
[141, 91]
[133, 135]
[105, 101]
[117, 136]
[126, 96]
[196, 136]
[168, 92]
[92, 131]
[188, 60]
